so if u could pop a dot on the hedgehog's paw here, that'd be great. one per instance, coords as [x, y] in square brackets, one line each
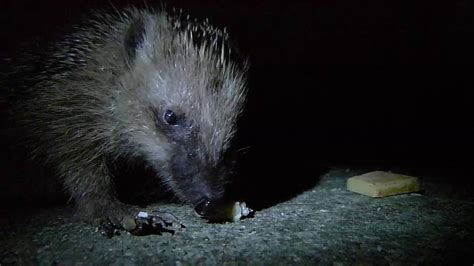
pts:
[114, 217]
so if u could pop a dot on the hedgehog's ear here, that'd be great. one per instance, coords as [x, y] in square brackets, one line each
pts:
[133, 40]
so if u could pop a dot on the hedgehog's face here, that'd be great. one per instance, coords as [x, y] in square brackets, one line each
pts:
[189, 170]
[188, 99]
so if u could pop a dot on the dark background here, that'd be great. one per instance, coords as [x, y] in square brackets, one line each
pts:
[384, 84]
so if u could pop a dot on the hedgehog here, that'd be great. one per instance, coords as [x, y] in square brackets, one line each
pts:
[138, 83]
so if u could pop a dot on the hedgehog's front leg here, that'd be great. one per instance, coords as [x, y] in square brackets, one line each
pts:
[92, 189]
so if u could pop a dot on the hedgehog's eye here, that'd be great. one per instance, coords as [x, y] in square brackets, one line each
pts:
[170, 117]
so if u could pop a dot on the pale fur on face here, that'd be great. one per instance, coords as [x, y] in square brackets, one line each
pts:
[171, 72]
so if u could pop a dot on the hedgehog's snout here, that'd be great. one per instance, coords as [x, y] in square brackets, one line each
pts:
[203, 206]
[220, 210]
[210, 209]
[196, 180]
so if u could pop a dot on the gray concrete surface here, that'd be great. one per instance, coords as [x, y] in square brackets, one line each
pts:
[324, 225]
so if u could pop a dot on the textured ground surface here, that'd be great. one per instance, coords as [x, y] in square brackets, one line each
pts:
[326, 224]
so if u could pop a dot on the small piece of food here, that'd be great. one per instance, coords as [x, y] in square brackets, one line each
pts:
[382, 184]
[224, 211]
[129, 223]
[155, 222]
[239, 210]
[143, 223]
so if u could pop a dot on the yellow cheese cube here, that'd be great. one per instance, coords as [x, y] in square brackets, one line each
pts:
[382, 184]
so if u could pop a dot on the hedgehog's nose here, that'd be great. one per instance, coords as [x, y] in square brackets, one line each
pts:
[203, 206]
[217, 210]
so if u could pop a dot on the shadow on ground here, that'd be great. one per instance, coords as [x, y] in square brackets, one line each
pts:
[266, 177]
